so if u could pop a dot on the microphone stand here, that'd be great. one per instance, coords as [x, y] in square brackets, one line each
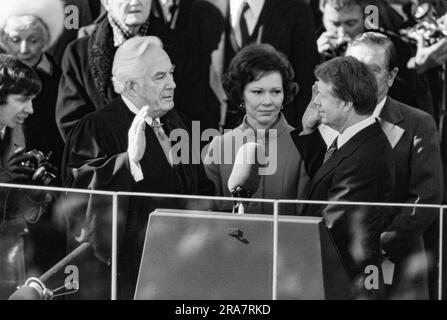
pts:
[240, 192]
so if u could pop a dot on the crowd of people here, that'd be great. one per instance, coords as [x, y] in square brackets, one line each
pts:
[347, 111]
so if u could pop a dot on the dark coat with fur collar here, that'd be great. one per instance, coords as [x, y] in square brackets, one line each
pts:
[86, 84]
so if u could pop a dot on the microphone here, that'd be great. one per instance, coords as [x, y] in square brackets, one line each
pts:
[244, 178]
[35, 289]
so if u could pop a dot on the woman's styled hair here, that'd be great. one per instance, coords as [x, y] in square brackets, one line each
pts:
[251, 64]
[17, 78]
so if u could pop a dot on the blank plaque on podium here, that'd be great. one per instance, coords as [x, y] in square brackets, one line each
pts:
[192, 255]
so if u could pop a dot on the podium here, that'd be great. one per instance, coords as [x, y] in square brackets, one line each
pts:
[221, 256]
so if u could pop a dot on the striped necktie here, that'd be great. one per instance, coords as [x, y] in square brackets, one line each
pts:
[332, 149]
[163, 139]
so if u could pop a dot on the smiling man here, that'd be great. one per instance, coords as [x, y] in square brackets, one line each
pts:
[125, 147]
[18, 85]
[357, 167]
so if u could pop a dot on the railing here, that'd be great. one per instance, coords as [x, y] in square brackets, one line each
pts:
[66, 201]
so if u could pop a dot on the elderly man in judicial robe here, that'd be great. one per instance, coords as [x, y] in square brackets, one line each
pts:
[125, 147]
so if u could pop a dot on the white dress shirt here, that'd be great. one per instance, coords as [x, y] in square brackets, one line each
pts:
[251, 15]
[330, 134]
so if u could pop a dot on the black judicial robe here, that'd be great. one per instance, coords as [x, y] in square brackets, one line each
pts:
[95, 158]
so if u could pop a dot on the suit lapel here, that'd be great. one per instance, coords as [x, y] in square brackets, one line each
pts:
[345, 151]
[390, 118]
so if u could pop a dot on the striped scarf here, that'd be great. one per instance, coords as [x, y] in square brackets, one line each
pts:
[121, 32]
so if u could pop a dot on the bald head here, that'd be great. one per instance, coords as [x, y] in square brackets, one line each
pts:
[133, 58]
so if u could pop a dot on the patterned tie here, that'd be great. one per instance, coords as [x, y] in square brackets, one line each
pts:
[243, 24]
[163, 139]
[332, 149]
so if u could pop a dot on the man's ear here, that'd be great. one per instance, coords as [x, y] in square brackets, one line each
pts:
[131, 87]
[392, 76]
[348, 105]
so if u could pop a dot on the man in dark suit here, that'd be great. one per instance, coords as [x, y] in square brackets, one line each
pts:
[356, 167]
[413, 136]
[125, 147]
[285, 24]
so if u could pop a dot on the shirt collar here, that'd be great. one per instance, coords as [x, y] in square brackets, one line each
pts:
[236, 8]
[134, 109]
[353, 130]
[45, 65]
[2, 132]
[328, 134]
[379, 108]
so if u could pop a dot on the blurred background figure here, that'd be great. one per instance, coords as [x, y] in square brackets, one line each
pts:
[342, 21]
[224, 27]
[261, 81]
[345, 19]
[176, 13]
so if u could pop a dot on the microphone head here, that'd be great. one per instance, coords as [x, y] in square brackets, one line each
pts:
[26, 293]
[245, 173]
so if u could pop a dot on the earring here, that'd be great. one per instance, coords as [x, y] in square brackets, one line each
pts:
[242, 105]
[282, 107]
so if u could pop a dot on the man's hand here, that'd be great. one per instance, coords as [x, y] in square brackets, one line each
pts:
[137, 139]
[428, 57]
[328, 43]
[311, 118]
[13, 168]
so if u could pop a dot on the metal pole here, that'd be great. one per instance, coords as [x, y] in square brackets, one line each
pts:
[114, 245]
[275, 251]
[441, 236]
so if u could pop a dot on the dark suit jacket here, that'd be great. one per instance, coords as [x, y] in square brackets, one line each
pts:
[96, 158]
[287, 25]
[418, 176]
[409, 87]
[360, 171]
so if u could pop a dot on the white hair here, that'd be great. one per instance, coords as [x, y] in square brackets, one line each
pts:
[129, 62]
[50, 12]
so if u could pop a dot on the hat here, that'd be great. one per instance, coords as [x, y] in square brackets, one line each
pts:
[51, 12]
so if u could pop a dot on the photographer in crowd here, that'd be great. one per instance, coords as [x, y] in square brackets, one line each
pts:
[27, 30]
[27, 247]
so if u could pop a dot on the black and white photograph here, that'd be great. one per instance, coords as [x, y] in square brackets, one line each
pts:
[223, 156]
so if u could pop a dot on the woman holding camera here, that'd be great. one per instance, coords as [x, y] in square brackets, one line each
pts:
[27, 30]
[260, 80]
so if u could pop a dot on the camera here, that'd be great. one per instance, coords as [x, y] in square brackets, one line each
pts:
[43, 172]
